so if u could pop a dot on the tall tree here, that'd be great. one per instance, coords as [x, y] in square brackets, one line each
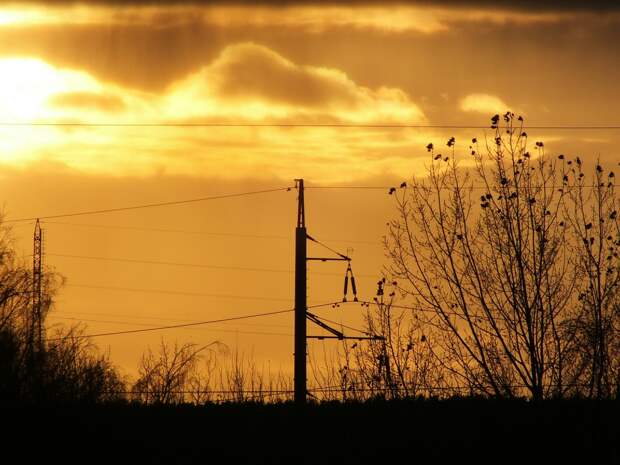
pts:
[488, 251]
[592, 217]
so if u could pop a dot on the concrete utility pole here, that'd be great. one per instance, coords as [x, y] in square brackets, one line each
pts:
[300, 297]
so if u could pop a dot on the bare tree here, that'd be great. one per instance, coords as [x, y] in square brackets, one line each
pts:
[174, 375]
[593, 220]
[15, 286]
[21, 371]
[164, 376]
[398, 360]
[75, 372]
[232, 376]
[485, 255]
[401, 363]
[202, 381]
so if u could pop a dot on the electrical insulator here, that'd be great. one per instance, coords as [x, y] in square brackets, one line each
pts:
[346, 284]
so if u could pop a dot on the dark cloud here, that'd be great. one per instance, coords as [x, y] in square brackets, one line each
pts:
[249, 70]
[88, 100]
[521, 5]
[532, 66]
[137, 56]
[574, 56]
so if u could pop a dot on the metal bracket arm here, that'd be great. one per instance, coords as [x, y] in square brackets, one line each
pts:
[326, 327]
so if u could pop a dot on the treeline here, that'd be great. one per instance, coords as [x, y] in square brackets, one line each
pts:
[473, 430]
[65, 368]
[510, 258]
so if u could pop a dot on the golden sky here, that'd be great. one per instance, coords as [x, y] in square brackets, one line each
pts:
[114, 64]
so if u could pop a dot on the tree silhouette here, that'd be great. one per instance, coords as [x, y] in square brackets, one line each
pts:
[591, 215]
[68, 368]
[75, 373]
[402, 364]
[493, 255]
[165, 377]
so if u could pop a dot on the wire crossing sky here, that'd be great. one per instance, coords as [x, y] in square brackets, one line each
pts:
[150, 205]
[187, 325]
[107, 117]
[565, 127]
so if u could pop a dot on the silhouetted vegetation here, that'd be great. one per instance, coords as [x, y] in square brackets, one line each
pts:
[500, 333]
[397, 431]
[510, 261]
[504, 274]
[65, 368]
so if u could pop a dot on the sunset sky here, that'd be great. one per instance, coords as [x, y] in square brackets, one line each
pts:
[107, 73]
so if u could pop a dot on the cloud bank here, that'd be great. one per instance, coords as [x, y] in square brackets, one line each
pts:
[246, 83]
[250, 81]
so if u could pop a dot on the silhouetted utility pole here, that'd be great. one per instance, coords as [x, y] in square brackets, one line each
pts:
[300, 297]
[301, 294]
[36, 329]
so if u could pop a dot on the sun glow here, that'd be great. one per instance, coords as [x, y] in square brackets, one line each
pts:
[27, 84]
[26, 87]
[9, 17]
[34, 92]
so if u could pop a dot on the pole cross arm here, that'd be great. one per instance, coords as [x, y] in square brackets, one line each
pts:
[326, 327]
[357, 338]
[328, 259]
[342, 256]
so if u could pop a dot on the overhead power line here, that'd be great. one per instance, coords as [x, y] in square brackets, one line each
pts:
[148, 205]
[463, 188]
[206, 233]
[226, 196]
[172, 231]
[193, 265]
[577, 127]
[184, 293]
[118, 322]
[349, 186]
[350, 388]
[187, 325]
[183, 325]
[434, 312]
[147, 318]
[155, 262]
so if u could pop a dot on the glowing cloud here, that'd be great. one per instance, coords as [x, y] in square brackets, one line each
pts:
[101, 102]
[251, 81]
[26, 84]
[484, 103]
[245, 83]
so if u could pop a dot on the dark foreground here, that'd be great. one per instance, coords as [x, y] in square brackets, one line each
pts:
[425, 432]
